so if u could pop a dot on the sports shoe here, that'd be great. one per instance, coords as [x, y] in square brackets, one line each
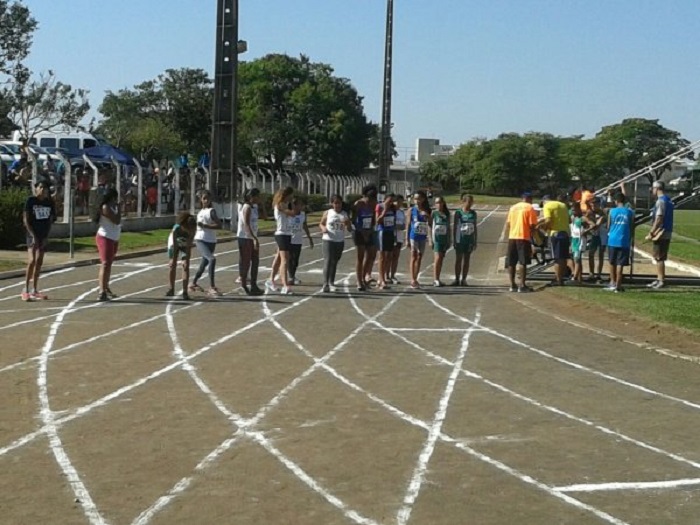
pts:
[213, 292]
[653, 283]
[513, 288]
[111, 294]
[103, 297]
[333, 288]
[185, 296]
[295, 281]
[658, 284]
[26, 296]
[270, 286]
[415, 285]
[238, 280]
[170, 293]
[618, 290]
[326, 288]
[455, 282]
[285, 291]
[438, 284]
[463, 282]
[255, 290]
[39, 296]
[361, 289]
[610, 288]
[194, 287]
[524, 289]
[394, 280]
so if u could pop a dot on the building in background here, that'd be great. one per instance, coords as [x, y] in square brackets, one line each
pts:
[427, 149]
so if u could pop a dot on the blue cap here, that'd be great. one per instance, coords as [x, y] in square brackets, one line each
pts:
[527, 193]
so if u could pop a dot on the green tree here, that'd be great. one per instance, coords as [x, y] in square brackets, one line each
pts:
[46, 103]
[632, 145]
[17, 28]
[293, 110]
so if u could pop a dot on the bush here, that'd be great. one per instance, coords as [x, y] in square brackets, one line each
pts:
[351, 198]
[315, 202]
[11, 207]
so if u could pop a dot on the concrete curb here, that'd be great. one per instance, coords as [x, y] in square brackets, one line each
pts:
[688, 268]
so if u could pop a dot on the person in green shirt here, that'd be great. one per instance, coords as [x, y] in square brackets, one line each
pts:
[440, 238]
[464, 233]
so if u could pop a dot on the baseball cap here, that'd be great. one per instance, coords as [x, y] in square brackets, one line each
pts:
[526, 193]
[658, 185]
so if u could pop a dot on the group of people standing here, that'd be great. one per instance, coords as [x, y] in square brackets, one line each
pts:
[570, 229]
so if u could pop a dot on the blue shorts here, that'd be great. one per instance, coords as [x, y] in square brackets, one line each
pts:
[560, 246]
[619, 256]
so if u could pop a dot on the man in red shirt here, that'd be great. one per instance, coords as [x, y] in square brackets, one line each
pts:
[522, 219]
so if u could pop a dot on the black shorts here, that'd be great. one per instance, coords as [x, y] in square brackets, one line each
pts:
[560, 246]
[386, 240]
[519, 252]
[660, 249]
[619, 256]
[284, 242]
[364, 238]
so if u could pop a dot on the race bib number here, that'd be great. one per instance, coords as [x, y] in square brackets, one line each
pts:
[366, 223]
[335, 225]
[296, 226]
[421, 228]
[389, 221]
[42, 212]
[440, 229]
[467, 228]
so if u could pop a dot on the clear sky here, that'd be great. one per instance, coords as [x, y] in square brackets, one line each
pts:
[462, 68]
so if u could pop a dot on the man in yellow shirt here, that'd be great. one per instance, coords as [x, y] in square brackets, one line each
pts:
[556, 219]
[522, 218]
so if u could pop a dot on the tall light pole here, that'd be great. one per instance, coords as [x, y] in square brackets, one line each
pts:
[385, 142]
[224, 137]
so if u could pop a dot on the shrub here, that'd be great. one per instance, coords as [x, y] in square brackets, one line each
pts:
[11, 207]
[315, 202]
[351, 198]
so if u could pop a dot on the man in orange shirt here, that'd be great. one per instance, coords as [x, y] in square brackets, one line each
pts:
[522, 219]
[587, 197]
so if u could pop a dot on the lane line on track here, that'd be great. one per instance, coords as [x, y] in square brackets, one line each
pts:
[568, 363]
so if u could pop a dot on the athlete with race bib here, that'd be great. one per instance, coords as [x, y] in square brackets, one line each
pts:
[465, 236]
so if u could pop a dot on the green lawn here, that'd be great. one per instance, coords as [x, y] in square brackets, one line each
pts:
[453, 199]
[6, 265]
[675, 306]
[682, 249]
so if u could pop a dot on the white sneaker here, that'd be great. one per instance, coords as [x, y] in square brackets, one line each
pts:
[658, 284]
[333, 289]
[238, 280]
[285, 291]
[270, 286]
[326, 288]
[296, 281]
[653, 284]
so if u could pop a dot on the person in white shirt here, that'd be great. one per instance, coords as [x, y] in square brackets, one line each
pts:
[335, 223]
[107, 239]
[281, 204]
[299, 227]
[205, 240]
[248, 244]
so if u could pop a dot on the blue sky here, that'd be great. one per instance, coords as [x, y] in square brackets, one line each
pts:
[462, 68]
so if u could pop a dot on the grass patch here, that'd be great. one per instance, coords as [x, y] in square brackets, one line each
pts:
[454, 199]
[675, 306]
[682, 249]
[8, 264]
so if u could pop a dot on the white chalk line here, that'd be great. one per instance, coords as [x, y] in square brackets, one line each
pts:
[418, 476]
[663, 351]
[632, 485]
[246, 426]
[568, 363]
[85, 409]
[110, 304]
[43, 276]
[47, 417]
[482, 457]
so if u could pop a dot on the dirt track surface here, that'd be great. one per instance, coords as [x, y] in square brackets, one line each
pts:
[439, 406]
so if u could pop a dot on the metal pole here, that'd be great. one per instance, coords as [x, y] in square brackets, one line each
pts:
[139, 189]
[385, 142]
[71, 222]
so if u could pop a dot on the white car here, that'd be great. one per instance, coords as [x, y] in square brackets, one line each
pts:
[16, 147]
[6, 155]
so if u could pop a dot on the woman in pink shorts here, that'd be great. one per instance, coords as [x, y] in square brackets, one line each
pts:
[107, 239]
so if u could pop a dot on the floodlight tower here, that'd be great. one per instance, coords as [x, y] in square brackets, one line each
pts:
[385, 149]
[224, 137]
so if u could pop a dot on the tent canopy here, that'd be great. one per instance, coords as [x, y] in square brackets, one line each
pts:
[106, 153]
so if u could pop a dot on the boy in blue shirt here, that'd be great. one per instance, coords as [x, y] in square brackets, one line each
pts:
[620, 228]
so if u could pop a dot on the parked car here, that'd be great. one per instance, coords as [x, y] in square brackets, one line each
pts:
[39, 152]
[6, 155]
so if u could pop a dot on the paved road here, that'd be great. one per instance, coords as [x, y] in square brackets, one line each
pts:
[449, 406]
